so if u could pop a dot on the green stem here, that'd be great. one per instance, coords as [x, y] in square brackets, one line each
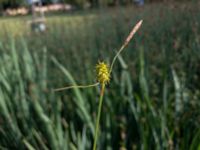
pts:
[75, 86]
[115, 58]
[98, 116]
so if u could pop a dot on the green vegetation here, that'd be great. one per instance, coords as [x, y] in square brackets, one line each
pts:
[152, 101]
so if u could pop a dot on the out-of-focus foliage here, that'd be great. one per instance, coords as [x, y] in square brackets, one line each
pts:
[80, 3]
[11, 3]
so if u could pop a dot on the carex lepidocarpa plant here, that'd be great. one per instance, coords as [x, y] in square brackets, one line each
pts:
[103, 76]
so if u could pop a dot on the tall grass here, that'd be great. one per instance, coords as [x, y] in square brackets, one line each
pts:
[152, 103]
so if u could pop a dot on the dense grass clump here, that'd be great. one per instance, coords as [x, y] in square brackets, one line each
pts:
[152, 101]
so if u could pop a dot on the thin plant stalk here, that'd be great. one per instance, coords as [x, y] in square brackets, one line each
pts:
[76, 86]
[98, 116]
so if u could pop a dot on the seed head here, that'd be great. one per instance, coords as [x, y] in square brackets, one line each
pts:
[103, 75]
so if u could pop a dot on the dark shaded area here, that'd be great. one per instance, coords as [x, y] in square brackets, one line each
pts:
[4, 4]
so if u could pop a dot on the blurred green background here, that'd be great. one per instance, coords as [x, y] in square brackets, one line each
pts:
[152, 101]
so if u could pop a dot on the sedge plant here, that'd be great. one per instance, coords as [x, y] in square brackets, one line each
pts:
[103, 75]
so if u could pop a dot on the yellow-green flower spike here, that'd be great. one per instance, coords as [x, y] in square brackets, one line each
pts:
[103, 75]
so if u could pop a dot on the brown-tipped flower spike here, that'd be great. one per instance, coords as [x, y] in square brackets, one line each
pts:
[134, 30]
[102, 71]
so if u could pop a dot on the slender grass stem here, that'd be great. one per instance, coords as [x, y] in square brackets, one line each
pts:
[98, 116]
[75, 86]
[114, 59]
